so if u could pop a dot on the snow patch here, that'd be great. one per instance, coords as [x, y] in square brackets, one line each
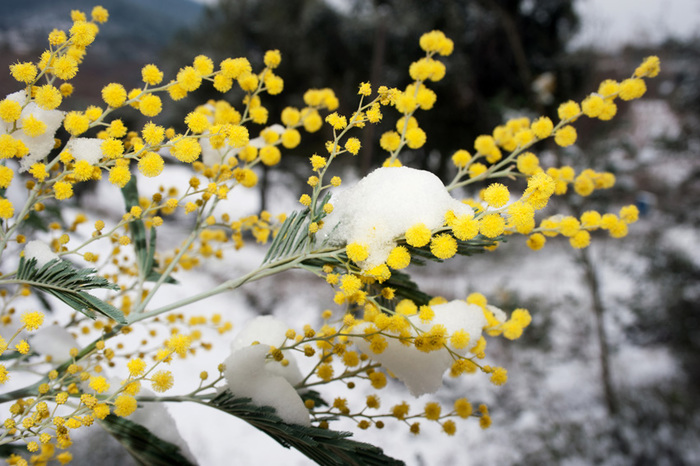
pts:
[683, 241]
[88, 149]
[39, 146]
[54, 341]
[40, 251]
[269, 331]
[422, 372]
[249, 373]
[386, 203]
[248, 376]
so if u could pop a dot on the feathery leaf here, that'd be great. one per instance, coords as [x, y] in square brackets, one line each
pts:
[145, 447]
[60, 279]
[325, 447]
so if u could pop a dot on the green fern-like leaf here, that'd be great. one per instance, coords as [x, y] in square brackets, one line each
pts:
[145, 447]
[470, 247]
[314, 396]
[325, 447]
[10, 449]
[144, 245]
[291, 238]
[404, 288]
[60, 279]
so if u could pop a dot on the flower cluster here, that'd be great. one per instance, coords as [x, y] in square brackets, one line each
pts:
[111, 352]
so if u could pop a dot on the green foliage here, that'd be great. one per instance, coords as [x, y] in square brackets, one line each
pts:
[146, 448]
[145, 247]
[325, 447]
[500, 49]
[9, 449]
[314, 396]
[291, 238]
[60, 279]
[464, 248]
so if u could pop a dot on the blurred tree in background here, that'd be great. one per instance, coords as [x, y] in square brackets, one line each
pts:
[502, 49]
[510, 57]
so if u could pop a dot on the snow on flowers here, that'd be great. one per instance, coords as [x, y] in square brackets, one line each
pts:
[384, 205]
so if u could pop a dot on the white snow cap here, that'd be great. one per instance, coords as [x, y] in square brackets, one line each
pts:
[386, 203]
[210, 156]
[422, 372]
[40, 251]
[89, 149]
[271, 331]
[157, 418]
[54, 341]
[248, 376]
[39, 146]
[266, 382]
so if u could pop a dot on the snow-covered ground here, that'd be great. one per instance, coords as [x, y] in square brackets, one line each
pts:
[610, 25]
[553, 401]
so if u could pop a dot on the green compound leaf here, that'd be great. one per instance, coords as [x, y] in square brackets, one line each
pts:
[291, 238]
[10, 449]
[144, 245]
[60, 279]
[404, 288]
[470, 247]
[314, 396]
[146, 448]
[325, 447]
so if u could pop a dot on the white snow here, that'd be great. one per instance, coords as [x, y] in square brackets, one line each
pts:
[269, 331]
[682, 240]
[88, 149]
[247, 375]
[39, 146]
[210, 156]
[422, 372]
[40, 251]
[644, 366]
[157, 418]
[386, 203]
[54, 341]
[611, 25]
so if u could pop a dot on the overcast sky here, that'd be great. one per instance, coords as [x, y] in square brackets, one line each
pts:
[611, 24]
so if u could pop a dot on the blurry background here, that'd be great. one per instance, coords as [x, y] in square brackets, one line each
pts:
[609, 371]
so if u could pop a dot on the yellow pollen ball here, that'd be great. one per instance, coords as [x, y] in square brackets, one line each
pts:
[542, 127]
[189, 78]
[443, 246]
[461, 158]
[62, 190]
[151, 164]
[272, 58]
[46, 97]
[150, 105]
[492, 225]
[418, 235]
[496, 195]
[565, 136]
[150, 74]
[632, 88]
[399, 258]
[357, 252]
[10, 110]
[114, 95]
[569, 110]
[536, 241]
